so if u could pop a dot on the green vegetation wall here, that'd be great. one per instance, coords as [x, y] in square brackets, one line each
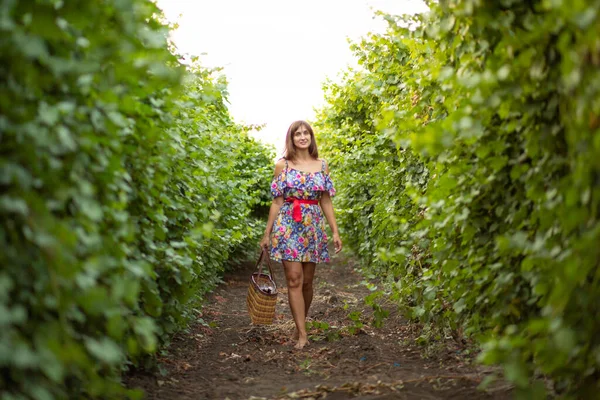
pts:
[125, 189]
[467, 155]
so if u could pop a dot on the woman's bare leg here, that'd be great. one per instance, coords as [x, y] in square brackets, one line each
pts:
[307, 285]
[308, 273]
[294, 276]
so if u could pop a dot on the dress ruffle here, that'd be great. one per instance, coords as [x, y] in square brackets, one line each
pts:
[278, 184]
[304, 181]
[329, 188]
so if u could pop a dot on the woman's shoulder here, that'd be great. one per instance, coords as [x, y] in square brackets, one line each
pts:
[280, 165]
[325, 164]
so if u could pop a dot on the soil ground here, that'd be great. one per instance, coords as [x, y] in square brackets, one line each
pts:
[225, 357]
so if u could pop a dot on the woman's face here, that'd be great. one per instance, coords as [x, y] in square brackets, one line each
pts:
[302, 138]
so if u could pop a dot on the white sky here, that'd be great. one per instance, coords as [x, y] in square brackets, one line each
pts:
[276, 54]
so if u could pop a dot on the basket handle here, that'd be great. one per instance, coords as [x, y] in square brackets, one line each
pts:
[259, 265]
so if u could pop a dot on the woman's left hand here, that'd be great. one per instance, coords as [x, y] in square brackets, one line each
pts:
[337, 243]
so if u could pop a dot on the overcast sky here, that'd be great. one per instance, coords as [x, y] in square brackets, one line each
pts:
[276, 53]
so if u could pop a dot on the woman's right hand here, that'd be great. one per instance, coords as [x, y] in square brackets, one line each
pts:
[265, 242]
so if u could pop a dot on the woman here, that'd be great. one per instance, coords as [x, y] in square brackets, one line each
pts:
[295, 233]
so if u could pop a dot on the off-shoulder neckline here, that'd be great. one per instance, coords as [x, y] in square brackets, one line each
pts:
[304, 172]
[322, 170]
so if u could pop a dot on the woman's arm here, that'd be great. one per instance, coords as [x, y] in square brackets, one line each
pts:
[327, 207]
[273, 211]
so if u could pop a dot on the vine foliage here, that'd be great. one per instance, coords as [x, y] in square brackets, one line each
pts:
[470, 149]
[125, 189]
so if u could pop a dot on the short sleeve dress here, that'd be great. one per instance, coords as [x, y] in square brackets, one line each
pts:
[302, 238]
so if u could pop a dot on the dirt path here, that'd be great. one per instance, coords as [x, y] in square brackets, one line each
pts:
[227, 358]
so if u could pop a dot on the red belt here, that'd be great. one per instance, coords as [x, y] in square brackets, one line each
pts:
[296, 211]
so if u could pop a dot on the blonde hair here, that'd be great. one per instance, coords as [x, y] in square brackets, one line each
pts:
[290, 148]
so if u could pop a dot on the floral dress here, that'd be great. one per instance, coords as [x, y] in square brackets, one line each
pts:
[303, 238]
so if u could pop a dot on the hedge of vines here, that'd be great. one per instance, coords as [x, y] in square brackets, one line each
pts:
[467, 154]
[125, 189]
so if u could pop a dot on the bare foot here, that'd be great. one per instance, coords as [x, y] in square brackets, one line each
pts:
[296, 334]
[302, 341]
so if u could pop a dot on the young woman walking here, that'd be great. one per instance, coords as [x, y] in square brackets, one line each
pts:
[295, 233]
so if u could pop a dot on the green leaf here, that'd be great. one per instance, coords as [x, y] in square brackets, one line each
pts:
[13, 205]
[104, 350]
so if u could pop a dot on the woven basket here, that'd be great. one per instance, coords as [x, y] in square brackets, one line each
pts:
[262, 293]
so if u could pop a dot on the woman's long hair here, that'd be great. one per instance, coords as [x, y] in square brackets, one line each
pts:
[289, 152]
